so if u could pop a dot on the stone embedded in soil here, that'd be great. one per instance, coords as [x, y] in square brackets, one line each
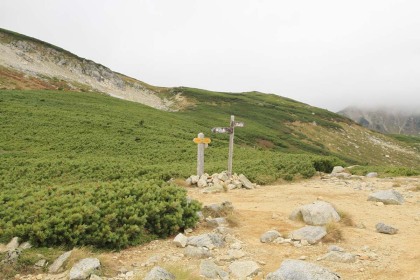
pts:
[387, 197]
[317, 213]
[158, 273]
[312, 234]
[383, 228]
[210, 270]
[244, 269]
[269, 236]
[180, 240]
[337, 256]
[84, 268]
[301, 270]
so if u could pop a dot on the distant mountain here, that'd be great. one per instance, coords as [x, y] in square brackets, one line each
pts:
[386, 120]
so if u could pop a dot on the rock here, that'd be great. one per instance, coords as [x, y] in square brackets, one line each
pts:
[383, 228]
[41, 263]
[203, 240]
[210, 270]
[245, 182]
[312, 234]
[219, 209]
[319, 213]
[217, 240]
[189, 181]
[387, 197]
[217, 222]
[270, 236]
[342, 257]
[335, 248]
[13, 244]
[194, 179]
[337, 169]
[180, 240]
[223, 176]
[372, 175]
[25, 246]
[95, 277]
[301, 270]
[296, 215]
[236, 246]
[244, 269]
[236, 254]
[12, 255]
[158, 273]
[200, 216]
[197, 252]
[84, 268]
[202, 183]
[58, 263]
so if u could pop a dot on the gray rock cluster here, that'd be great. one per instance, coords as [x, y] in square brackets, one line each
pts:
[219, 182]
[13, 250]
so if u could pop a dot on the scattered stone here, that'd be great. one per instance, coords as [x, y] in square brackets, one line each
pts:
[84, 268]
[372, 175]
[302, 258]
[58, 263]
[197, 252]
[383, 228]
[158, 273]
[245, 182]
[270, 236]
[25, 246]
[41, 263]
[217, 222]
[317, 213]
[217, 240]
[335, 248]
[210, 270]
[337, 169]
[244, 269]
[218, 209]
[235, 254]
[194, 179]
[342, 257]
[12, 256]
[13, 244]
[180, 240]
[387, 197]
[312, 234]
[301, 270]
[202, 183]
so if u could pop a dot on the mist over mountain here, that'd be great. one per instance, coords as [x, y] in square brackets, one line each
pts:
[390, 120]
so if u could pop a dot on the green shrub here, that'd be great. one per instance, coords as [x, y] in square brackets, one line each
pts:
[111, 215]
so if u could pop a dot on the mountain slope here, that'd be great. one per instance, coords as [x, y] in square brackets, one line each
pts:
[28, 63]
[386, 120]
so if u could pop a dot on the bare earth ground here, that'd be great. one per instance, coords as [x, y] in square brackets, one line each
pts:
[380, 256]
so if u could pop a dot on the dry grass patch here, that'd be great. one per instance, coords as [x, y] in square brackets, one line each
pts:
[182, 273]
[346, 218]
[233, 219]
[334, 233]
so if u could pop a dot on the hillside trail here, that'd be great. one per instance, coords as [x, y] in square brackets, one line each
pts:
[380, 256]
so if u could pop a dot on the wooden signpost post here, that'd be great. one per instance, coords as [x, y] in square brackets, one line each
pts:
[231, 131]
[201, 144]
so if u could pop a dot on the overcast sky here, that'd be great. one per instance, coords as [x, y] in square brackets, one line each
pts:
[329, 54]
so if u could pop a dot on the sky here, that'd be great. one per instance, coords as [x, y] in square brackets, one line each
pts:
[326, 53]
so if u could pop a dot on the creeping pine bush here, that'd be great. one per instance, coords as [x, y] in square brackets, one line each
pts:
[108, 215]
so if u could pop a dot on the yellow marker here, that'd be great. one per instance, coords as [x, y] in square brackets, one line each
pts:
[202, 140]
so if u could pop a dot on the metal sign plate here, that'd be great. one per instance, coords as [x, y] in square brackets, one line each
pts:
[221, 130]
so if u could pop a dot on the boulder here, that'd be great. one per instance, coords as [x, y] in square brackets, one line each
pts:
[180, 240]
[312, 234]
[203, 240]
[383, 228]
[158, 273]
[301, 270]
[58, 263]
[84, 268]
[217, 222]
[319, 213]
[41, 263]
[337, 169]
[245, 182]
[337, 256]
[194, 179]
[210, 270]
[270, 236]
[197, 252]
[243, 269]
[25, 245]
[387, 197]
[202, 183]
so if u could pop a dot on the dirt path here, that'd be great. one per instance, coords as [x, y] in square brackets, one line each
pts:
[381, 256]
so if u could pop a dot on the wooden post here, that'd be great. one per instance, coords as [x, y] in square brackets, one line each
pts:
[232, 134]
[200, 156]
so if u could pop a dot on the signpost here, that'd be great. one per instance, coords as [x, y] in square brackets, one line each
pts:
[201, 144]
[231, 131]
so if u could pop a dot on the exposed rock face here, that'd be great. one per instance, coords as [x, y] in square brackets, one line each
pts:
[158, 273]
[312, 234]
[84, 268]
[58, 263]
[317, 213]
[13, 244]
[387, 197]
[301, 270]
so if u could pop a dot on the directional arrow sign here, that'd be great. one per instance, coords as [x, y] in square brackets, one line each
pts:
[202, 140]
[221, 130]
[238, 124]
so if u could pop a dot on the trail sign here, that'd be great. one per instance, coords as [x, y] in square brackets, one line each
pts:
[231, 131]
[202, 140]
[221, 130]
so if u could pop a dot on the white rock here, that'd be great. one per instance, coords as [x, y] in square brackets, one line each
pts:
[158, 273]
[312, 234]
[180, 240]
[58, 263]
[84, 268]
[270, 236]
[244, 269]
[301, 270]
